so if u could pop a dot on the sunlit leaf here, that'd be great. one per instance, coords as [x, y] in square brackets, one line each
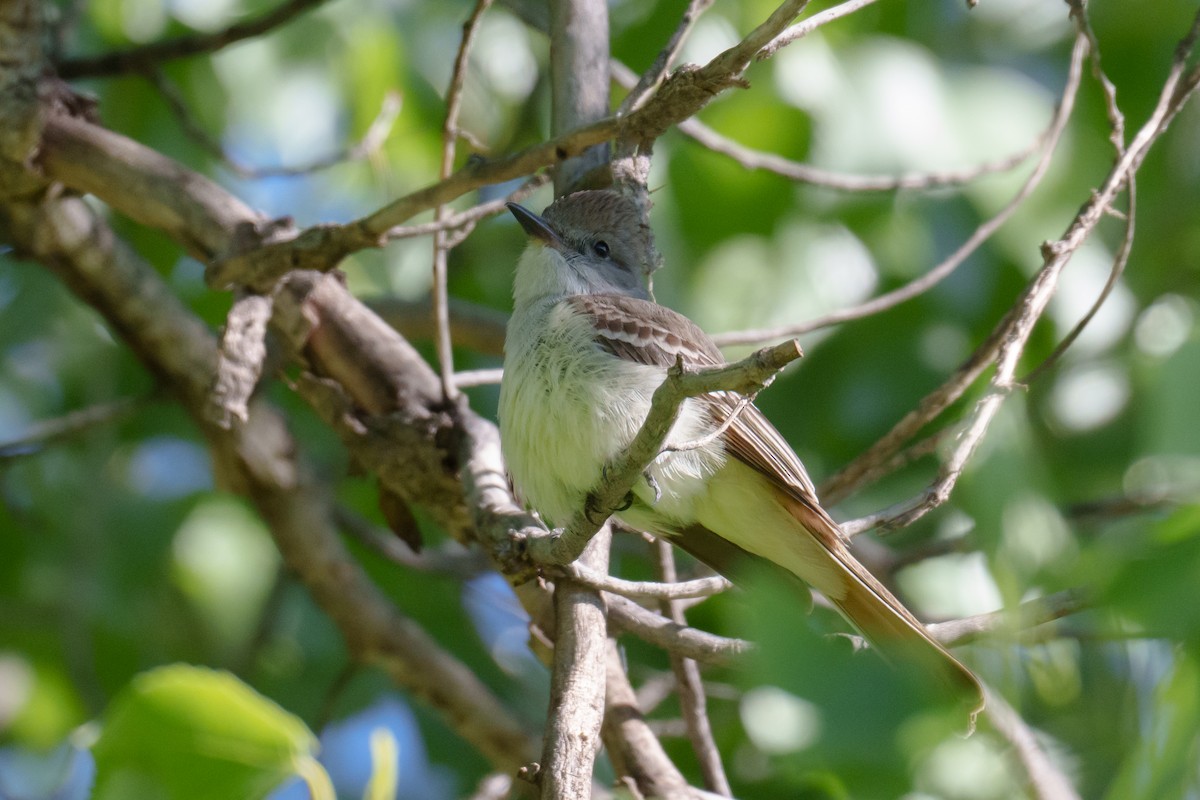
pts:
[187, 732]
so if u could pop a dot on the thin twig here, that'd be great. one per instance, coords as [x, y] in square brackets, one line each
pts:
[657, 71]
[1027, 616]
[692, 701]
[370, 143]
[805, 27]
[478, 377]
[980, 235]
[710, 437]
[441, 308]
[648, 590]
[1116, 121]
[465, 221]
[47, 432]
[1114, 275]
[1045, 777]
[136, 59]
[626, 615]
[838, 181]
[847, 182]
[880, 469]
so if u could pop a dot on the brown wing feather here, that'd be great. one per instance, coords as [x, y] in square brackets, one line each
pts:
[645, 332]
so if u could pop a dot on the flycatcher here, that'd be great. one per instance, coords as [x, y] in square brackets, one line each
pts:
[585, 350]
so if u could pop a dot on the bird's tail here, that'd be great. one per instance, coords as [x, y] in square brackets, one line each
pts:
[890, 627]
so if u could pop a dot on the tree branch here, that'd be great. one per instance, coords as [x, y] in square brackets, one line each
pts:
[805, 27]
[137, 59]
[46, 432]
[700, 587]
[627, 616]
[693, 703]
[1045, 777]
[1029, 614]
[441, 242]
[636, 753]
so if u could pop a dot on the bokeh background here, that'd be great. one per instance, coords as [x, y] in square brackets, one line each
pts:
[118, 554]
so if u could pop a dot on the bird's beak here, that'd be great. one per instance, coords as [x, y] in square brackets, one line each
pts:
[535, 226]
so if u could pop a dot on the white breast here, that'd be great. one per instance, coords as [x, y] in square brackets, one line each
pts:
[567, 406]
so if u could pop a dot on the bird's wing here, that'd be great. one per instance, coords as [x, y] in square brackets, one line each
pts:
[647, 333]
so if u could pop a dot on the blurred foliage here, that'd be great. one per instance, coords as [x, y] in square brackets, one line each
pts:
[184, 732]
[117, 554]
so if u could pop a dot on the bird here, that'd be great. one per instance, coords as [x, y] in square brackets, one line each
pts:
[586, 347]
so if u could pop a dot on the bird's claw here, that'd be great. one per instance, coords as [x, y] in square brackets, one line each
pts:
[653, 484]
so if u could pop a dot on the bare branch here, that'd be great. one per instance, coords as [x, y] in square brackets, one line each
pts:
[980, 235]
[579, 85]
[145, 186]
[258, 460]
[441, 246]
[620, 475]
[464, 221]
[854, 474]
[577, 682]
[371, 142]
[322, 246]
[1045, 777]
[627, 616]
[683, 590]
[1118, 269]
[1117, 136]
[692, 700]
[846, 182]
[805, 27]
[652, 78]
[703, 441]
[1116, 119]
[1028, 615]
[478, 377]
[137, 59]
[47, 432]
[636, 753]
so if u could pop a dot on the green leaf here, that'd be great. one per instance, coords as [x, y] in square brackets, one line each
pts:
[188, 732]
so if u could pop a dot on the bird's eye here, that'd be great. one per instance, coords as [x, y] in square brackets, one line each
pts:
[600, 248]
